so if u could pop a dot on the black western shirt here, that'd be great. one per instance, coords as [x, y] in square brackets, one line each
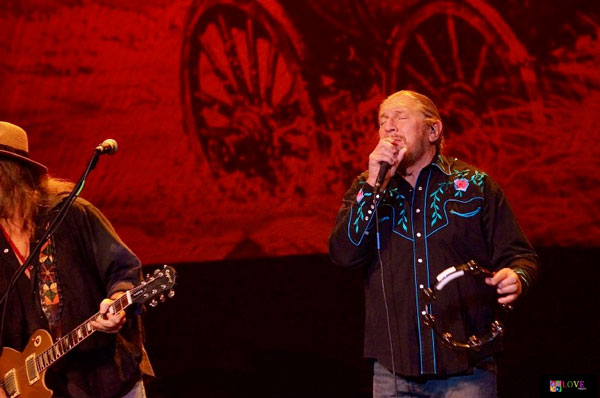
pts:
[455, 213]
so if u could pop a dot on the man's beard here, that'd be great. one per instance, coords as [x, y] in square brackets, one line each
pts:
[413, 155]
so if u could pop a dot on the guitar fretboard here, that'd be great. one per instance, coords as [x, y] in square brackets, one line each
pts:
[77, 335]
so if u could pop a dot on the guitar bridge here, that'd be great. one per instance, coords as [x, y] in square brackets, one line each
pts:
[10, 384]
[32, 373]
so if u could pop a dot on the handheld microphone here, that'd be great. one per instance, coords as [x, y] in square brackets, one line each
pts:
[108, 146]
[383, 169]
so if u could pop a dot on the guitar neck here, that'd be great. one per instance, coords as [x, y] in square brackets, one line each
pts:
[77, 335]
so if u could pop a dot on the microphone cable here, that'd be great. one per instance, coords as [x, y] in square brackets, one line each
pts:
[385, 300]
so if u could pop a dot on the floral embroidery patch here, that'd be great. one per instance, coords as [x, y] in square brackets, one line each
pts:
[461, 184]
[360, 196]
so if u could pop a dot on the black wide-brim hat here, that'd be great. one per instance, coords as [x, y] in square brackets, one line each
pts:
[14, 145]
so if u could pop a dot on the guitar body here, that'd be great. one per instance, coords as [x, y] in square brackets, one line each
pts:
[13, 359]
[22, 374]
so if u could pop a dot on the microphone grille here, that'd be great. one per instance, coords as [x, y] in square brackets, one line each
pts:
[111, 146]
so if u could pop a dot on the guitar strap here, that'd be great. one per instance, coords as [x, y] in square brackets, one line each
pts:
[49, 287]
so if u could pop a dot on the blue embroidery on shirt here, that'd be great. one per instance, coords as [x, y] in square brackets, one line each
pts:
[477, 179]
[393, 219]
[446, 213]
[458, 180]
[356, 220]
[360, 217]
[435, 203]
[402, 215]
[468, 214]
[428, 276]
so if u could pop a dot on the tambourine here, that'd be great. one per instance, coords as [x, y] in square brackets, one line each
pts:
[443, 278]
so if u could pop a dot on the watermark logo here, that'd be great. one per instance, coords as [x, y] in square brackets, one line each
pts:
[581, 385]
[555, 385]
[560, 385]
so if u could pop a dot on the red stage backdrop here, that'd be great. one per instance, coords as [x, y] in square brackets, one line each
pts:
[242, 122]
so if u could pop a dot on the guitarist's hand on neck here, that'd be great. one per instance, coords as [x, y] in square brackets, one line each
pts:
[108, 322]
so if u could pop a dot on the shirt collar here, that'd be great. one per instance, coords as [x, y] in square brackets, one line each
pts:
[442, 163]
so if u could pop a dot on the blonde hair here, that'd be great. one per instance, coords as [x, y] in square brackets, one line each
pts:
[430, 112]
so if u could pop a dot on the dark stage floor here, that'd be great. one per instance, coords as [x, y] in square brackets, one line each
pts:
[292, 327]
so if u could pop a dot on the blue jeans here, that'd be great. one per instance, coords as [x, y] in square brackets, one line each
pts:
[138, 391]
[480, 384]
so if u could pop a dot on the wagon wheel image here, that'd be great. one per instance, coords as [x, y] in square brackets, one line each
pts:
[479, 73]
[242, 90]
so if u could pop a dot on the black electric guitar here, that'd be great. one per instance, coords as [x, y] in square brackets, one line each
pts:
[22, 374]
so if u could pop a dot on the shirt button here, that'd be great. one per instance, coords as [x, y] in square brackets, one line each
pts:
[418, 210]
[420, 188]
[423, 312]
[367, 217]
[372, 206]
[421, 286]
[418, 234]
[369, 212]
[420, 260]
[5, 250]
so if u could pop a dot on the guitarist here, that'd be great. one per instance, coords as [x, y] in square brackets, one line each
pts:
[80, 270]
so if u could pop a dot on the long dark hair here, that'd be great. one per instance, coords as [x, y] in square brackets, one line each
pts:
[24, 195]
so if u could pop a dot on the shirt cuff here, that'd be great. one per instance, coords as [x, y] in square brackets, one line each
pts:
[120, 287]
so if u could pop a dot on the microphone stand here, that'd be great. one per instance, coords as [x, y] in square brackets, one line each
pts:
[56, 221]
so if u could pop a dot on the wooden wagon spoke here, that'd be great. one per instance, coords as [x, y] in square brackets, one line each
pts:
[270, 77]
[290, 94]
[422, 79]
[219, 72]
[253, 59]
[480, 66]
[232, 55]
[454, 44]
[432, 60]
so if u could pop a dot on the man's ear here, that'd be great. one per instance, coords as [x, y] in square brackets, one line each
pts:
[435, 131]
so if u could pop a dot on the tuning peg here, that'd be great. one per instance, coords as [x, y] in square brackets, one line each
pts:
[162, 298]
[157, 272]
[153, 303]
[171, 293]
[147, 276]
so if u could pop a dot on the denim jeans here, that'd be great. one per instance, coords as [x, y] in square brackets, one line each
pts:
[480, 384]
[138, 391]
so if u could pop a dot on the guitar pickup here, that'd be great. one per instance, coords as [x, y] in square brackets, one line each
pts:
[32, 373]
[11, 386]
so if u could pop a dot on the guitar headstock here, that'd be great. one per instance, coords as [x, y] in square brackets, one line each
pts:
[157, 286]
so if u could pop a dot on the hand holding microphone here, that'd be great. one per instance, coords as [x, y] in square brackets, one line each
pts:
[383, 162]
